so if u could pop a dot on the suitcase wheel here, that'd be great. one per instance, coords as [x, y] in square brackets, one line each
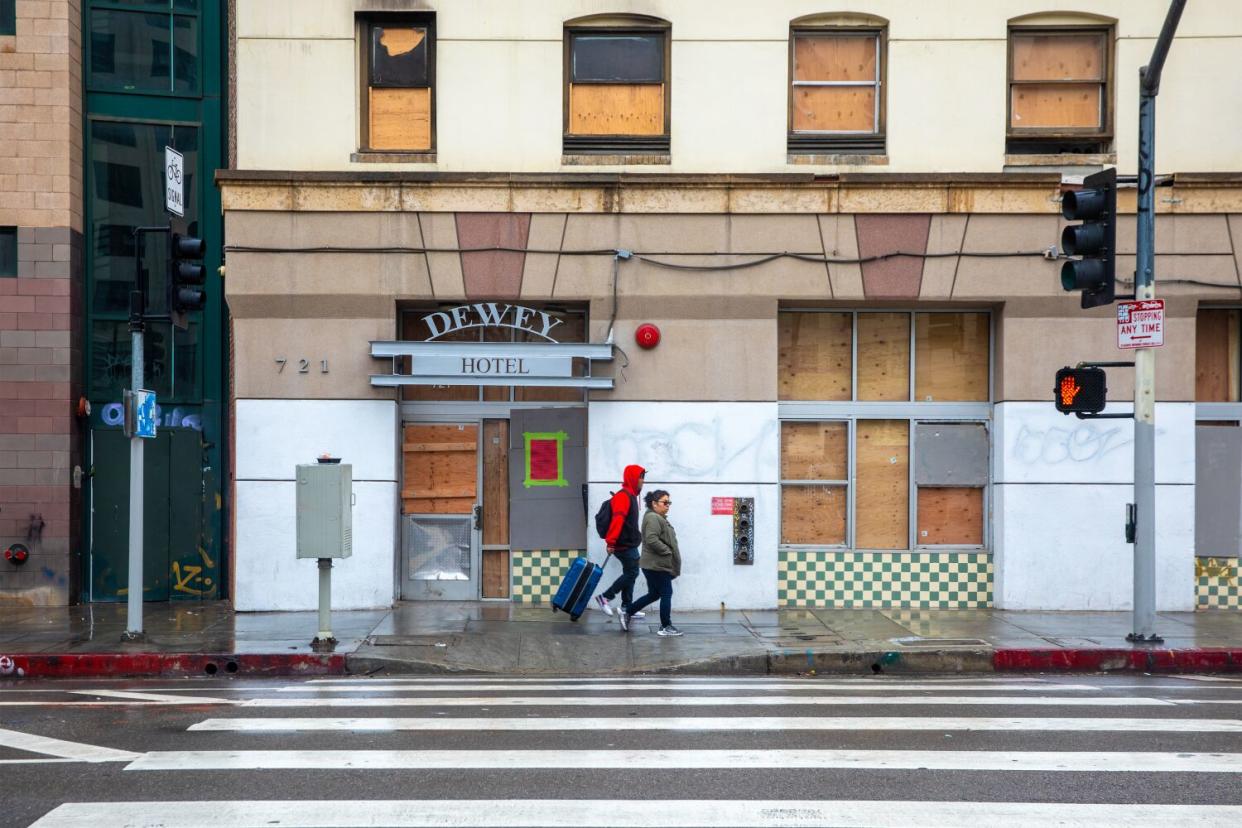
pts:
[575, 617]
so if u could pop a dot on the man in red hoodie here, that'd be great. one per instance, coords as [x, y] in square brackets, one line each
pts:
[623, 540]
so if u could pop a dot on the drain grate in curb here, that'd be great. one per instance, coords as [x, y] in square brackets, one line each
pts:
[918, 641]
[411, 640]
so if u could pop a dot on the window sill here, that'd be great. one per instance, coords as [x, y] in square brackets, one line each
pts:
[391, 157]
[1062, 159]
[836, 159]
[594, 160]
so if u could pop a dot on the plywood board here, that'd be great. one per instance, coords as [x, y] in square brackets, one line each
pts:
[400, 119]
[814, 451]
[881, 472]
[495, 482]
[883, 356]
[822, 108]
[813, 514]
[437, 476]
[1058, 57]
[1067, 105]
[952, 516]
[951, 352]
[495, 573]
[1216, 355]
[813, 357]
[834, 58]
[616, 109]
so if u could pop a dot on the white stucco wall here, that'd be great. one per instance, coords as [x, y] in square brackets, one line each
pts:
[697, 451]
[273, 437]
[1059, 495]
[499, 84]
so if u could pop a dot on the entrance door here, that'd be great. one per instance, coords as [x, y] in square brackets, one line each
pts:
[175, 563]
[440, 512]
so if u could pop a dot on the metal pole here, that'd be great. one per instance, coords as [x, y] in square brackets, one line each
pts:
[1144, 621]
[137, 306]
[325, 603]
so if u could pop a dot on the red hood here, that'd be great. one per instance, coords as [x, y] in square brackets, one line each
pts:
[630, 479]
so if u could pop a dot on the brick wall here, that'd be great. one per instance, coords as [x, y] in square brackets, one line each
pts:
[41, 309]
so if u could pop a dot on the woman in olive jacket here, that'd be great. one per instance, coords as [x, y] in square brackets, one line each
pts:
[661, 560]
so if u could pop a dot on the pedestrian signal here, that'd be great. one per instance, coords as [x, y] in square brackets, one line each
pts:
[1080, 390]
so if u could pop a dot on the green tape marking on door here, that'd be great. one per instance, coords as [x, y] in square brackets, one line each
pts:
[545, 458]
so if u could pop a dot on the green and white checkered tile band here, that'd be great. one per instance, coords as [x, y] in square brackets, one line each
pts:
[537, 573]
[875, 580]
[1216, 584]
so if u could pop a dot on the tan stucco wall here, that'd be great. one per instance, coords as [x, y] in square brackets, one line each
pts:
[500, 76]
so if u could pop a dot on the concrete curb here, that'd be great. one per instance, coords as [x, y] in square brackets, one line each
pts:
[776, 663]
[169, 665]
[1119, 660]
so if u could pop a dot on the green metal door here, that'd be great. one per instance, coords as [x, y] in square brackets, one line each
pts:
[174, 564]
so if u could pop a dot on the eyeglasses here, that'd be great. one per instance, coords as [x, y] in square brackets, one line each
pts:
[664, 502]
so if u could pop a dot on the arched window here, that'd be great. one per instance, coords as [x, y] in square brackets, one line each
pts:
[836, 84]
[616, 85]
[1060, 85]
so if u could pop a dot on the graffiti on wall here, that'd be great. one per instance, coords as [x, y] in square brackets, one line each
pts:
[113, 414]
[695, 449]
[1083, 443]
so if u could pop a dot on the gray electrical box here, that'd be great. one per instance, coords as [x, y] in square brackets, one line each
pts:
[325, 510]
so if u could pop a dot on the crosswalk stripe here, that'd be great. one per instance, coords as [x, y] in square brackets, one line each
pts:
[716, 723]
[76, 751]
[649, 759]
[679, 813]
[701, 701]
[376, 687]
[602, 680]
[148, 697]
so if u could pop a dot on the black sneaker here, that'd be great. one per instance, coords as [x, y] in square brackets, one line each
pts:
[669, 631]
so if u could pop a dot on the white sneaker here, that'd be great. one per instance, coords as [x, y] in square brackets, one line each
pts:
[668, 631]
[624, 620]
[602, 603]
[639, 614]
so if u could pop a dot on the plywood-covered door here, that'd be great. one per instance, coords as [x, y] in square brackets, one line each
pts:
[495, 564]
[440, 511]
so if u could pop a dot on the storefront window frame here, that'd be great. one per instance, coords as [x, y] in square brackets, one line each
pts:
[914, 412]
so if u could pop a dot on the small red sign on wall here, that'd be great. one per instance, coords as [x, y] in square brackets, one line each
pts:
[722, 506]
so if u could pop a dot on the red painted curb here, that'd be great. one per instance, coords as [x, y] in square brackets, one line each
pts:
[1099, 661]
[106, 665]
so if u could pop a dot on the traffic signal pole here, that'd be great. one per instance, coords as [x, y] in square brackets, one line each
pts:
[1144, 621]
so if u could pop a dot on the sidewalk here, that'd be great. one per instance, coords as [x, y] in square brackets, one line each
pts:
[195, 639]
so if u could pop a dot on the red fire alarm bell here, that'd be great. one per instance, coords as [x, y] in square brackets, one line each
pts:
[16, 554]
[647, 336]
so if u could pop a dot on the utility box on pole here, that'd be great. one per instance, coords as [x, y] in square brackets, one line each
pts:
[325, 510]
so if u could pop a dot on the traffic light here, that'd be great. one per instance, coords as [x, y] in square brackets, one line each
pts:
[186, 275]
[1080, 390]
[1095, 240]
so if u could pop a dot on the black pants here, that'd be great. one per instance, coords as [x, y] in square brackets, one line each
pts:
[659, 585]
[625, 581]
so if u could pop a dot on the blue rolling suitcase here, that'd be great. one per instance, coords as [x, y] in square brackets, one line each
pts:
[577, 588]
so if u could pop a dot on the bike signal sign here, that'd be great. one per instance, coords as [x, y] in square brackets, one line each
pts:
[1140, 324]
[174, 182]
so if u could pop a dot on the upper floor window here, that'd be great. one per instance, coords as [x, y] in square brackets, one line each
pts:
[836, 102]
[398, 78]
[1059, 91]
[8, 17]
[152, 49]
[616, 90]
[1218, 355]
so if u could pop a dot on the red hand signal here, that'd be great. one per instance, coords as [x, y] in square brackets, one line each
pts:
[1069, 390]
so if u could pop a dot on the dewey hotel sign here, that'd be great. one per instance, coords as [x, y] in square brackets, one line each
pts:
[547, 363]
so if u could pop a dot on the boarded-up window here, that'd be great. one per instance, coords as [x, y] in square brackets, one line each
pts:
[399, 71]
[882, 500]
[814, 470]
[815, 356]
[1058, 85]
[617, 91]
[950, 472]
[951, 353]
[1217, 355]
[836, 82]
[883, 356]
